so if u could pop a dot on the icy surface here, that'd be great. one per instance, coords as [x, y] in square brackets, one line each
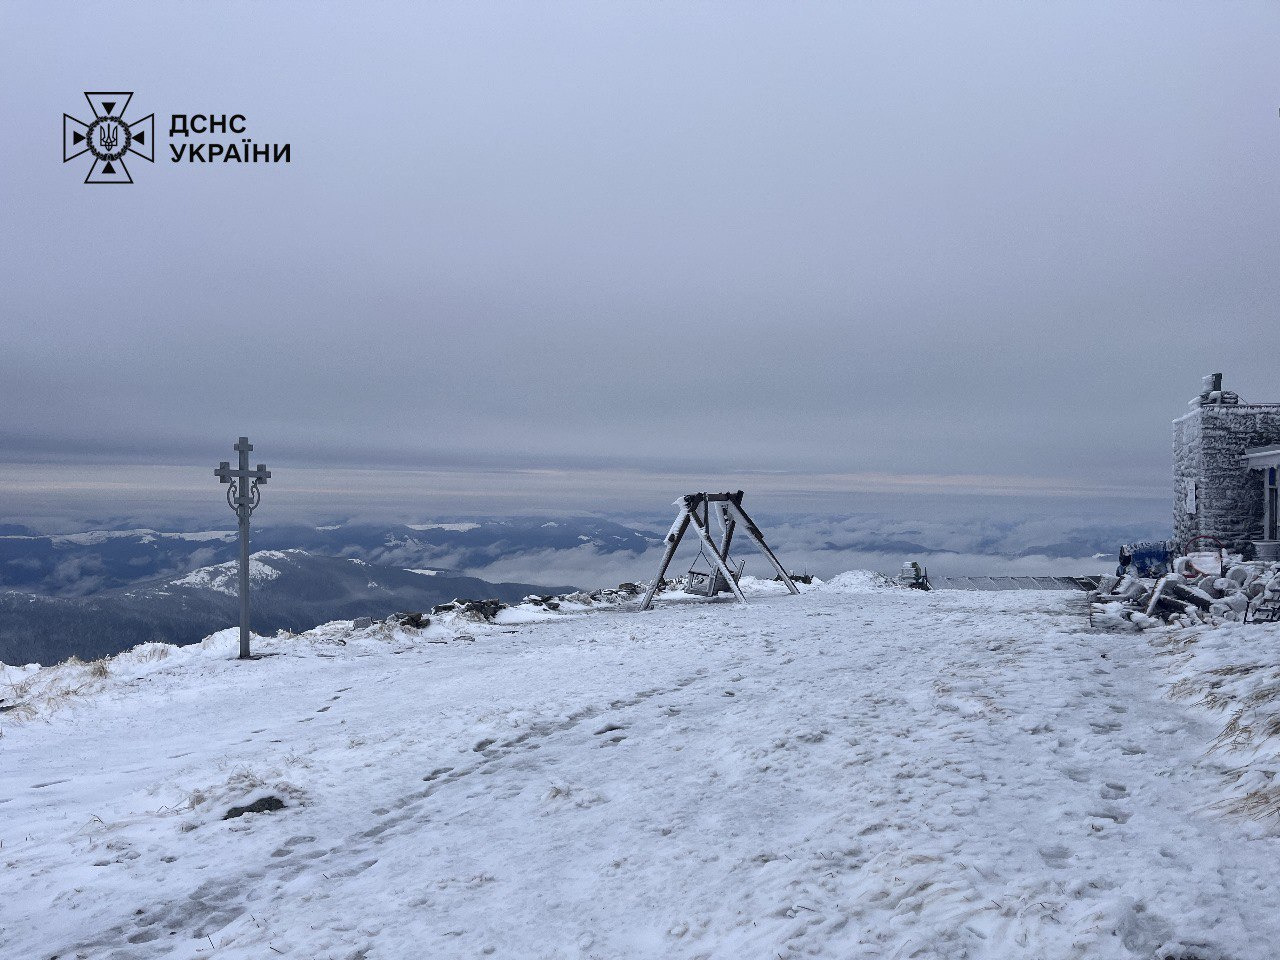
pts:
[861, 771]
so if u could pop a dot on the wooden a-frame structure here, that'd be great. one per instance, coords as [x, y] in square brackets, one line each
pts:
[695, 509]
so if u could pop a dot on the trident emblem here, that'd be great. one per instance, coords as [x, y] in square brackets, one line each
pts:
[109, 135]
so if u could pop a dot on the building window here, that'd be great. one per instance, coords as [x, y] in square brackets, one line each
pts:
[1272, 531]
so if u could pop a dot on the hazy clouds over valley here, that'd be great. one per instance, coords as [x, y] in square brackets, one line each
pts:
[585, 550]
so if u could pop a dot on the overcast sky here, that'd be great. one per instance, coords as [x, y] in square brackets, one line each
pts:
[966, 245]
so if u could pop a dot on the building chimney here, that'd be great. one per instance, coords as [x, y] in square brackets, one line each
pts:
[1213, 393]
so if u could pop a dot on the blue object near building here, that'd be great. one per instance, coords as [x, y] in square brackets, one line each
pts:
[1146, 558]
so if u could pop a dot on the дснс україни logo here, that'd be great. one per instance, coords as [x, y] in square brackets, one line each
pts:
[108, 137]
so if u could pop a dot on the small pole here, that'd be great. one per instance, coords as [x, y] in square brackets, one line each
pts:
[244, 587]
[243, 496]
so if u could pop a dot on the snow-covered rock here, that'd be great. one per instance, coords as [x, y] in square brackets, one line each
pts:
[1187, 597]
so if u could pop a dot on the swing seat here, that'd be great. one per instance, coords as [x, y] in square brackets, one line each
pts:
[707, 583]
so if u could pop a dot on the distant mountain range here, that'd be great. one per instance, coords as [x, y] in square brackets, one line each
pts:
[85, 564]
[101, 591]
[291, 590]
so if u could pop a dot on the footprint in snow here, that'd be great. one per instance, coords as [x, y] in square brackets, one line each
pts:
[1055, 855]
[607, 729]
[1112, 814]
[286, 848]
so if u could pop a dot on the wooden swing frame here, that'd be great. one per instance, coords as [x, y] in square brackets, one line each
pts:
[695, 510]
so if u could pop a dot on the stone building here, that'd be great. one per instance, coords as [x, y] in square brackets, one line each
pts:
[1226, 455]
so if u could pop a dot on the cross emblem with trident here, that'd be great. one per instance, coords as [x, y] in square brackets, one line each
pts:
[243, 497]
[108, 137]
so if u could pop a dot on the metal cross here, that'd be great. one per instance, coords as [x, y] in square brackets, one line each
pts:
[243, 497]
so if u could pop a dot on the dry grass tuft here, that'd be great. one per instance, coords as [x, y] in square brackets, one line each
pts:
[52, 688]
[1237, 675]
[1255, 805]
[1235, 670]
[1236, 735]
[99, 669]
[1267, 693]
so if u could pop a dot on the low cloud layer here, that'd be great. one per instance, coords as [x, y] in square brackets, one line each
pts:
[825, 546]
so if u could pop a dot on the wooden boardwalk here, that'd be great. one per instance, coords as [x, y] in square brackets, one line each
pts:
[1014, 583]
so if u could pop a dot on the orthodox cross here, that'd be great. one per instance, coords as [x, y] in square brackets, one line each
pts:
[243, 497]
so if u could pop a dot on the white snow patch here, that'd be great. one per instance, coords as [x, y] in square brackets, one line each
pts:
[857, 581]
[455, 527]
[10, 675]
[225, 577]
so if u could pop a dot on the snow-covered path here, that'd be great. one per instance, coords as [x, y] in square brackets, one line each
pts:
[852, 773]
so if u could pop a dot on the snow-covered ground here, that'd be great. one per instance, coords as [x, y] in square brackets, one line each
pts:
[860, 771]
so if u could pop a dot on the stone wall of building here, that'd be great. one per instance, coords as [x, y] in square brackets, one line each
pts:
[1186, 471]
[1207, 446]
